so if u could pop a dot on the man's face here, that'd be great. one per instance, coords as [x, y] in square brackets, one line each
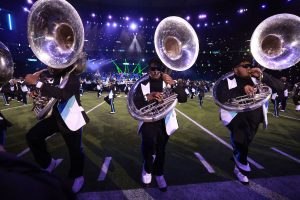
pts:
[243, 69]
[154, 72]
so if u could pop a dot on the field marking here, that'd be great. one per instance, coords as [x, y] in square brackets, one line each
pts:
[104, 169]
[258, 166]
[204, 162]
[16, 107]
[58, 161]
[27, 149]
[285, 116]
[95, 107]
[285, 154]
[259, 188]
[265, 192]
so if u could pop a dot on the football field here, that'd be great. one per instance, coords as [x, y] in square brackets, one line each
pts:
[197, 166]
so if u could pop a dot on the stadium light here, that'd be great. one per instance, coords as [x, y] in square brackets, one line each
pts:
[133, 26]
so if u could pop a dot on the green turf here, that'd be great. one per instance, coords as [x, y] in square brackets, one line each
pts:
[115, 135]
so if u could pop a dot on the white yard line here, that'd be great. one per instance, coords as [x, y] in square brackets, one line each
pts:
[283, 188]
[95, 107]
[258, 166]
[104, 169]
[27, 149]
[286, 155]
[15, 107]
[204, 163]
[285, 116]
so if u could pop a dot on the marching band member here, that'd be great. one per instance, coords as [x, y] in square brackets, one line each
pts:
[155, 135]
[67, 117]
[4, 124]
[296, 96]
[99, 88]
[243, 125]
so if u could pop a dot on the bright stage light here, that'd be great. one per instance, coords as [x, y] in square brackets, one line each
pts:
[141, 19]
[114, 24]
[108, 24]
[29, 1]
[133, 26]
[202, 16]
[188, 18]
[263, 6]
[157, 19]
[25, 9]
[109, 17]
[93, 15]
[127, 18]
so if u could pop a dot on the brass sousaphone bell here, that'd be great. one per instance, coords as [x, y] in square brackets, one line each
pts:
[6, 64]
[56, 36]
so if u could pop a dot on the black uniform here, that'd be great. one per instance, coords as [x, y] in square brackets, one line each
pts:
[154, 135]
[244, 125]
[4, 124]
[37, 134]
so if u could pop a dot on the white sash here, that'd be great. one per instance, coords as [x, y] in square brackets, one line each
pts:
[71, 114]
[24, 88]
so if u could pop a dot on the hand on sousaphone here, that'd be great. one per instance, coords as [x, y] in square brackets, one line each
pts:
[155, 96]
[168, 79]
[254, 72]
[32, 79]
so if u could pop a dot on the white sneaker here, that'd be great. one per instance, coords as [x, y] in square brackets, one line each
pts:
[52, 165]
[78, 183]
[161, 182]
[112, 112]
[241, 177]
[146, 178]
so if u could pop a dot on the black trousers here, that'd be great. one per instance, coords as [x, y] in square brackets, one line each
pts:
[37, 144]
[243, 128]
[283, 103]
[154, 140]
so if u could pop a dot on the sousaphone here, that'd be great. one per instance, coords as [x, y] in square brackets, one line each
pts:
[176, 44]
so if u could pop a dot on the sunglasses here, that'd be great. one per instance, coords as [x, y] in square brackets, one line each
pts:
[246, 66]
[154, 69]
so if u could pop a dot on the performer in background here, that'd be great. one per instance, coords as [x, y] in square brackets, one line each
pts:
[201, 93]
[296, 96]
[24, 90]
[285, 94]
[69, 124]
[275, 101]
[243, 125]
[99, 89]
[5, 89]
[155, 135]
[4, 124]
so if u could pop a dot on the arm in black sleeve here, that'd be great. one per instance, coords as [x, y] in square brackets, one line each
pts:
[180, 91]
[224, 94]
[70, 89]
[273, 82]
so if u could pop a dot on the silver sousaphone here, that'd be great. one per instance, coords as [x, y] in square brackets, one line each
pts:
[275, 44]
[176, 44]
[6, 64]
[56, 36]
